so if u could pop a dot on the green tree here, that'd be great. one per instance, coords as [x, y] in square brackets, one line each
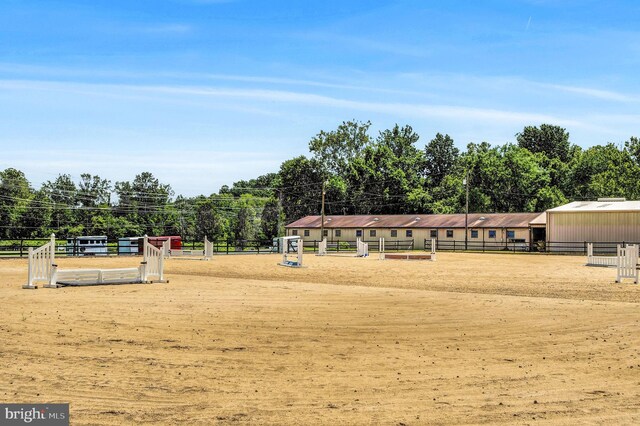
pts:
[548, 198]
[406, 156]
[93, 191]
[183, 217]
[336, 149]
[377, 184]
[145, 201]
[62, 193]
[504, 178]
[300, 186]
[243, 226]
[209, 220]
[440, 158]
[36, 219]
[15, 198]
[272, 219]
[553, 141]
[93, 197]
[606, 171]
[633, 147]
[262, 186]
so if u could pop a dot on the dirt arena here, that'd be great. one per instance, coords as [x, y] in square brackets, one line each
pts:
[469, 339]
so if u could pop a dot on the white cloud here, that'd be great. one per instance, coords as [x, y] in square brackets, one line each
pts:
[189, 172]
[175, 122]
[436, 82]
[594, 93]
[280, 96]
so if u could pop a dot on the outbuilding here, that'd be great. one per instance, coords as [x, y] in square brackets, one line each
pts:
[608, 220]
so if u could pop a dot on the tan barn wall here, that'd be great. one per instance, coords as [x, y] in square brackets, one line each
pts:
[419, 234]
[593, 227]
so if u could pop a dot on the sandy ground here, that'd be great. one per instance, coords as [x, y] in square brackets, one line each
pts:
[468, 339]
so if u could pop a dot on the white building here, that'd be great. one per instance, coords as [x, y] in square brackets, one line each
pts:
[608, 220]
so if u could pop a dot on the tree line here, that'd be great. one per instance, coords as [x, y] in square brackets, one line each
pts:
[389, 173]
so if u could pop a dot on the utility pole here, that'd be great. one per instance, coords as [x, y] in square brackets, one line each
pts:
[466, 211]
[324, 183]
[279, 220]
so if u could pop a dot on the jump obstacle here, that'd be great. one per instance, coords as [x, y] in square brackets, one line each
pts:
[42, 268]
[292, 255]
[408, 256]
[362, 249]
[627, 263]
[605, 261]
[205, 254]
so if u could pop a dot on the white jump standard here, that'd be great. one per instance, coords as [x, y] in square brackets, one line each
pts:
[292, 254]
[42, 268]
[322, 248]
[627, 263]
[362, 249]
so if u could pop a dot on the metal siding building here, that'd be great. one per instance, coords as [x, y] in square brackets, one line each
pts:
[594, 221]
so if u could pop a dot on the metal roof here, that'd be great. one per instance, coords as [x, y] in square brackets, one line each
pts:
[540, 220]
[598, 206]
[476, 220]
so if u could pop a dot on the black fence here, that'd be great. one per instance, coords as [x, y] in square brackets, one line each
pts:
[483, 246]
[344, 246]
[575, 248]
[242, 247]
[20, 248]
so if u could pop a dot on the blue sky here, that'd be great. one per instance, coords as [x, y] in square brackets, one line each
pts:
[206, 92]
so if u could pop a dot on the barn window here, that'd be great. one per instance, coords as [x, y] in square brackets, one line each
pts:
[325, 233]
[409, 233]
[372, 233]
[511, 234]
[338, 233]
[306, 232]
[433, 233]
[359, 233]
[492, 233]
[394, 233]
[474, 233]
[449, 233]
[294, 232]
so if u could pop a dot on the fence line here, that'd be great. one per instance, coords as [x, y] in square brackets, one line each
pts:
[20, 248]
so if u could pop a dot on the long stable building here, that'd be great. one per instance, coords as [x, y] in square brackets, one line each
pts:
[565, 228]
[492, 229]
